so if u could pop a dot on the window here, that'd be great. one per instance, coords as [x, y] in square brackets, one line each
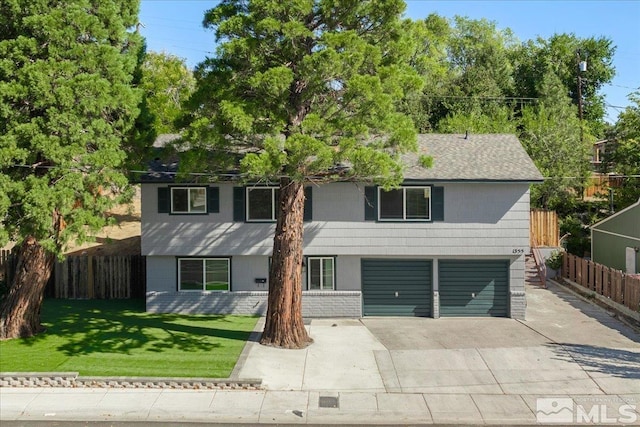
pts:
[203, 274]
[320, 273]
[189, 200]
[405, 204]
[262, 203]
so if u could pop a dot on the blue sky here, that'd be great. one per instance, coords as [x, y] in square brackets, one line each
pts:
[175, 26]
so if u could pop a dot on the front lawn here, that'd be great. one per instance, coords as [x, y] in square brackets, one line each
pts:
[117, 338]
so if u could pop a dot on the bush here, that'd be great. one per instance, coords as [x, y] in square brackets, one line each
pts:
[555, 260]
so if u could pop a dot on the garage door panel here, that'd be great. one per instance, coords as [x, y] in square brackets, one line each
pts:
[474, 287]
[396, 287]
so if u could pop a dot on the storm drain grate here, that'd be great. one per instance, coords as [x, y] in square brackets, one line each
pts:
[328, 402]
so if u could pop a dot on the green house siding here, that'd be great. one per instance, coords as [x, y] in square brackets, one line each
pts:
[610, 250]
[611, 237]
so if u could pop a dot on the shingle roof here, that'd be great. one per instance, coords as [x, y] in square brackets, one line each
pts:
[481, 157]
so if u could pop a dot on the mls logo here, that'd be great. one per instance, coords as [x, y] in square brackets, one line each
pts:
[554, 410]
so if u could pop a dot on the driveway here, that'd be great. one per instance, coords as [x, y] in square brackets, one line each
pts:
[565, 346]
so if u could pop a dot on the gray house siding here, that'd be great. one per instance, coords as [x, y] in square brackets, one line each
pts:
[482, 221]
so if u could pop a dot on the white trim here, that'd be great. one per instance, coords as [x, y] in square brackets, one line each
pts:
[404, 204]
[333, 271]
[636, 204]
[189, 211]
[204, 260]
[273, 204]
[616, 234]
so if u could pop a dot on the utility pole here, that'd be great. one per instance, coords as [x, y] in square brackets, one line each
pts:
[582, 67]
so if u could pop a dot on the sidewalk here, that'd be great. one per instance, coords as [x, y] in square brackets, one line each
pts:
[583, 363]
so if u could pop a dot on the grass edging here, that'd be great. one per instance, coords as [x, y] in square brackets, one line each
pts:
[73, 380]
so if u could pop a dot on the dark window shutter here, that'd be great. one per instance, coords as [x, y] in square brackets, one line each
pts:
[213, 199]
[308, 214]
[437, 204]
[238, 203]
[370, 203]
[164, 200]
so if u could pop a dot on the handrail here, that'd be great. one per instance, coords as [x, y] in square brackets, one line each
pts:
[539, 260]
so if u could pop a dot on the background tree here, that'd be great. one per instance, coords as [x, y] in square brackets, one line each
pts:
[167, 83]
[302, 87]
[65, 106]
[551, 136]
[560, 54]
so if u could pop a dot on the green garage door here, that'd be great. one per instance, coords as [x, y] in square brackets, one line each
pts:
[478, 288]
[396, 287]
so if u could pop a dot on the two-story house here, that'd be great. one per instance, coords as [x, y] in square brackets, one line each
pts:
[450, 242]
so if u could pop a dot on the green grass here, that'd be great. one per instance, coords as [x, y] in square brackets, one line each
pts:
[117, 338]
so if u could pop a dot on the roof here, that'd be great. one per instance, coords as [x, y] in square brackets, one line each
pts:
[629, 210]
[478, 157]
[481, 157]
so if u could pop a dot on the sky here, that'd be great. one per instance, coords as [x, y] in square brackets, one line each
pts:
[175, 26]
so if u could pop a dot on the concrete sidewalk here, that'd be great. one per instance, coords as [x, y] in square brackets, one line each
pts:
[401, 371]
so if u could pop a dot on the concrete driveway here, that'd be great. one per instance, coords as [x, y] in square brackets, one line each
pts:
[565, 346]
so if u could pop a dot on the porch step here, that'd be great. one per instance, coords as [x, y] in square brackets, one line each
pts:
[531, 276]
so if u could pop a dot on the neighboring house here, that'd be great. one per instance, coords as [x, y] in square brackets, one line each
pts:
[615, 241]
[450, 242]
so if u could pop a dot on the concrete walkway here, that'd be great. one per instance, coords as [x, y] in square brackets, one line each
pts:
[399, 371]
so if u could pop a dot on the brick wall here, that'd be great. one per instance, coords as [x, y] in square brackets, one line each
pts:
[314, 303]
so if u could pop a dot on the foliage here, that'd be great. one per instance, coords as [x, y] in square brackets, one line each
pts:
[66, 103]
[117, 338]
[305, 85]
[554, 261]
[552, 137]
[167, 83]
[624, 157]
[578, 241]
[559, 55]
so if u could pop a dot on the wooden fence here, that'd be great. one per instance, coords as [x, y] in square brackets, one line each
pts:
[99, 277]
[7, 265]
[614, 284]
[544, 228]
[89, 277]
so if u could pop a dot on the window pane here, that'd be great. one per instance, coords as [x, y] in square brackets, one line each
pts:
[314, 273]
[391, 204]
[327, 273]
[198, 200]
[260, 203]
[190, 274]
[179, 200]
[217, 275]
[418, 203]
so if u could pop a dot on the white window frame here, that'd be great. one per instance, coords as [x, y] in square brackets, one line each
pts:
[333, 271]
[203, 260]
[274, 204]
[404, 205]
[189, 211]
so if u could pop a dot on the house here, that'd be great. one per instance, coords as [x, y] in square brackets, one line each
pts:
[615, 241]
[450, 242]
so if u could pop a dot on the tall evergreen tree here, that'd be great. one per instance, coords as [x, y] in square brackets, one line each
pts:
[66, 103]
[302, 87]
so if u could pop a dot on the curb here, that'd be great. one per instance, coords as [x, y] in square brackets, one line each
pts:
[73, 380]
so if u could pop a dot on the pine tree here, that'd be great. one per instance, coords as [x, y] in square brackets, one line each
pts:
[66, 104]
[302, 87]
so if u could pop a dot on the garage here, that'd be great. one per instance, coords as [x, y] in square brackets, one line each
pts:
[396, 287]
[474, 288]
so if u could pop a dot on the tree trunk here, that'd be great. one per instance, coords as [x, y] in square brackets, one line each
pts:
[284, 327]
[20, 311]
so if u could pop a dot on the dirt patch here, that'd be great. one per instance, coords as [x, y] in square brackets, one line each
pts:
[120, 239]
